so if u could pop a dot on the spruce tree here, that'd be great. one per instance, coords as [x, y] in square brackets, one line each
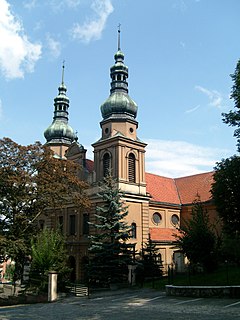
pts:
[198, 239]
[109, 252]
[151, 259]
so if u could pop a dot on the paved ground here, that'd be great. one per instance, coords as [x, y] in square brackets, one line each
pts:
[127, 305]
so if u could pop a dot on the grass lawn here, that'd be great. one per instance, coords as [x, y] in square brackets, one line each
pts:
[225, 275]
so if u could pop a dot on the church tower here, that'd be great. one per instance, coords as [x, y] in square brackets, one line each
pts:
[59, 134]
[119, 151]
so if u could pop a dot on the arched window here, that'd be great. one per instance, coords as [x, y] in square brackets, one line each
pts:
[131, 168]
[106, 164]
[134, 230]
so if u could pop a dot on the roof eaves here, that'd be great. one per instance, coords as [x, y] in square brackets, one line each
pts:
[167, 204]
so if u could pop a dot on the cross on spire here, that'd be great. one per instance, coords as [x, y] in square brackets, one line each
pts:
[119, 31]
[63, 66]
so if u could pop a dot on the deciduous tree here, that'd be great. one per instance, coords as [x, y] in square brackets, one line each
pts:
[48, 253]
[226, 194]
[232, 118]
[32, 180]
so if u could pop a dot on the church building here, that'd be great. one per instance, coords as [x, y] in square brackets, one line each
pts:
[157, 205]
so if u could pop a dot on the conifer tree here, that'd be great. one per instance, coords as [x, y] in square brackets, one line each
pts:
[109, 252]
[151, 259]
[197, 238]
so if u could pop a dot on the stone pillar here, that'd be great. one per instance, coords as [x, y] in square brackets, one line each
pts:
[132, 274]
[52, 286]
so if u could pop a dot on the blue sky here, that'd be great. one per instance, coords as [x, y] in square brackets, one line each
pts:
[180, 55]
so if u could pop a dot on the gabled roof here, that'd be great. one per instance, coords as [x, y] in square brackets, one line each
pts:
[189, 188]
[162, 189]
[180, 190]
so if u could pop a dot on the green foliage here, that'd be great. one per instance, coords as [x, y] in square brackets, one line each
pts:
[226, 194]
[108, 249]
[10, 270]
[197, 239]
[231, 249]
[31, 180]
[233, 117]
[151, 259]
[48, 254]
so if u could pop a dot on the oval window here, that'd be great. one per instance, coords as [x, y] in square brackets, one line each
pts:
[157, 218]
[175, 219]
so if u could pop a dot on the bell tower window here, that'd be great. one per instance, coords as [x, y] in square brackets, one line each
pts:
[106, 164]
[131, 168]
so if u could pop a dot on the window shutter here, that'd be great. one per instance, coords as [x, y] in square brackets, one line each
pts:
[106, 164]
[131, 168]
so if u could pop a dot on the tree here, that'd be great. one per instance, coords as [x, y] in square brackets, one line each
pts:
[32, 180]
[233, 117]
[226, 194]
[151, 259]
[48, 254]
[109, 252]
[197, 239]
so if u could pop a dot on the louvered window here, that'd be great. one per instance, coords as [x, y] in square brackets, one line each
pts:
[106, 164]
[131, 168]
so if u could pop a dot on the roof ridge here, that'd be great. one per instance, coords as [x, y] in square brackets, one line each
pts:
[194, 175]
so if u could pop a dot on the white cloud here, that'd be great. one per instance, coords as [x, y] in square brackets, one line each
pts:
[59, 5]
[73, 3]
[30, 4]
[17, 54]
[54, 46]
[179, 158]
[192, 109]
[92, 28]
[215, 97]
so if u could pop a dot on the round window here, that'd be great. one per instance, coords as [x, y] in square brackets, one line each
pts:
[157, 218]
[175, 219]
[131, 130]
[106, 130]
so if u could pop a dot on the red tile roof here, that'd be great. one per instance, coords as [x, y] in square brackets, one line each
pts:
[89, 165]
[180, 190]
[162, 189]
[163, 234]
[191, 187]
[175, 191]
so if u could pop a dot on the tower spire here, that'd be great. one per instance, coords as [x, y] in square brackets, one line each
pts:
[119, 32]
[63, 66]
[60, 132]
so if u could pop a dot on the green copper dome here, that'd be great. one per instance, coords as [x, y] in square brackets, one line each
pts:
[60, 131]
[119, 104]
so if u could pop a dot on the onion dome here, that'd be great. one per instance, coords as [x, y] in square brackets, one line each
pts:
[60, 131]
[119, 104]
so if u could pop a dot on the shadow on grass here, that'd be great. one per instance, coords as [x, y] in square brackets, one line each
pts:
[224, 276]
